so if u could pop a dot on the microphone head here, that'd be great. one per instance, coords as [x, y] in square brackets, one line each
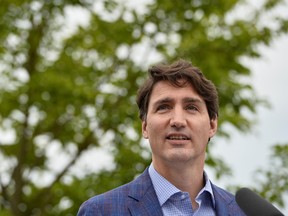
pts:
[254, 205]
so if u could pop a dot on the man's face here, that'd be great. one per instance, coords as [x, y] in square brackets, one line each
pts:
[177, 125]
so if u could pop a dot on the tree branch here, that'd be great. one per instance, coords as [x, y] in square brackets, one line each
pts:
[45, 194]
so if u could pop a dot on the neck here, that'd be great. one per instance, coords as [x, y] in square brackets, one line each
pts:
[186, 178]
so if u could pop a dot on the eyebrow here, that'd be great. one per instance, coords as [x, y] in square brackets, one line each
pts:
[192, 100]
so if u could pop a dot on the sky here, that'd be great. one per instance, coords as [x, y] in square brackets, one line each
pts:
[247, 152]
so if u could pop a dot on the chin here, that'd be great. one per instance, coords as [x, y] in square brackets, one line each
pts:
[180, 156]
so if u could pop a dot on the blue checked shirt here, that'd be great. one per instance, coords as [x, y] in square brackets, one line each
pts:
[176, 202]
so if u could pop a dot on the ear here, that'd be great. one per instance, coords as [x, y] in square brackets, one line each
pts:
[213, 127]
[144, 129]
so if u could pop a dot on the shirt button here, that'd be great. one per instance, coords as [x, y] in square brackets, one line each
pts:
[183, 196]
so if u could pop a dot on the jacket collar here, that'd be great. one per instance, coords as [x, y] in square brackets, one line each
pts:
[143, 197]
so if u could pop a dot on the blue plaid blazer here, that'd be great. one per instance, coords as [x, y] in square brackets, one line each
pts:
[139, 198]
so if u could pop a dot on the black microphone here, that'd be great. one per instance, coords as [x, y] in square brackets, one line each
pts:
[254, 205]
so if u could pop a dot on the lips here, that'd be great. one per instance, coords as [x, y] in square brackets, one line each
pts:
[177, 137]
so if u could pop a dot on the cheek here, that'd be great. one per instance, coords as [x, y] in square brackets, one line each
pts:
[203, 130]
[151, 129]
[154, 129]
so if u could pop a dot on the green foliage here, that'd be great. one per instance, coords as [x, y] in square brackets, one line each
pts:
[272, 182]
[74, 89]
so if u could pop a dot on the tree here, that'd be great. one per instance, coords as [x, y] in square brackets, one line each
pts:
[73, 88]
[272, 182]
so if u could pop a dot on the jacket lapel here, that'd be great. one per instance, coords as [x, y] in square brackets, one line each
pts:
[143, 198]
[221, 205]
[225, 203]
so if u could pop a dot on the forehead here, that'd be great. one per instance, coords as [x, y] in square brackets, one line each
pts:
[164, 89]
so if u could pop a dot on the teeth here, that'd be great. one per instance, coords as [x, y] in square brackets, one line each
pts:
[178, 138]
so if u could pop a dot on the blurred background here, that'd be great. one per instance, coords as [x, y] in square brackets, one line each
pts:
[69, 73]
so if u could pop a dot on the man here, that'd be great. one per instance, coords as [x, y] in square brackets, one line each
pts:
[179, 113]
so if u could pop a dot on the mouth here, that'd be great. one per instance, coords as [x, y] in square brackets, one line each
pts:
[177, 137]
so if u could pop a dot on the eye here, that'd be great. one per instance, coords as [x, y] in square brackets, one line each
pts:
[192, 108]
[163, 107]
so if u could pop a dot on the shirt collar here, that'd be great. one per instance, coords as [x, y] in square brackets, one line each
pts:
[164, 189]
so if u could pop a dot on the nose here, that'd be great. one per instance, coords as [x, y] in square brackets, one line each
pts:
[178, 119]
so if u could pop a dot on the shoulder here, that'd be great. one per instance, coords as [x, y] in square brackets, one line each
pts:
[100, 204]
[224, 194]
[116, 201]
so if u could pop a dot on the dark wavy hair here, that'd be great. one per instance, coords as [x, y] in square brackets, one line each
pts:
[175, 74]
